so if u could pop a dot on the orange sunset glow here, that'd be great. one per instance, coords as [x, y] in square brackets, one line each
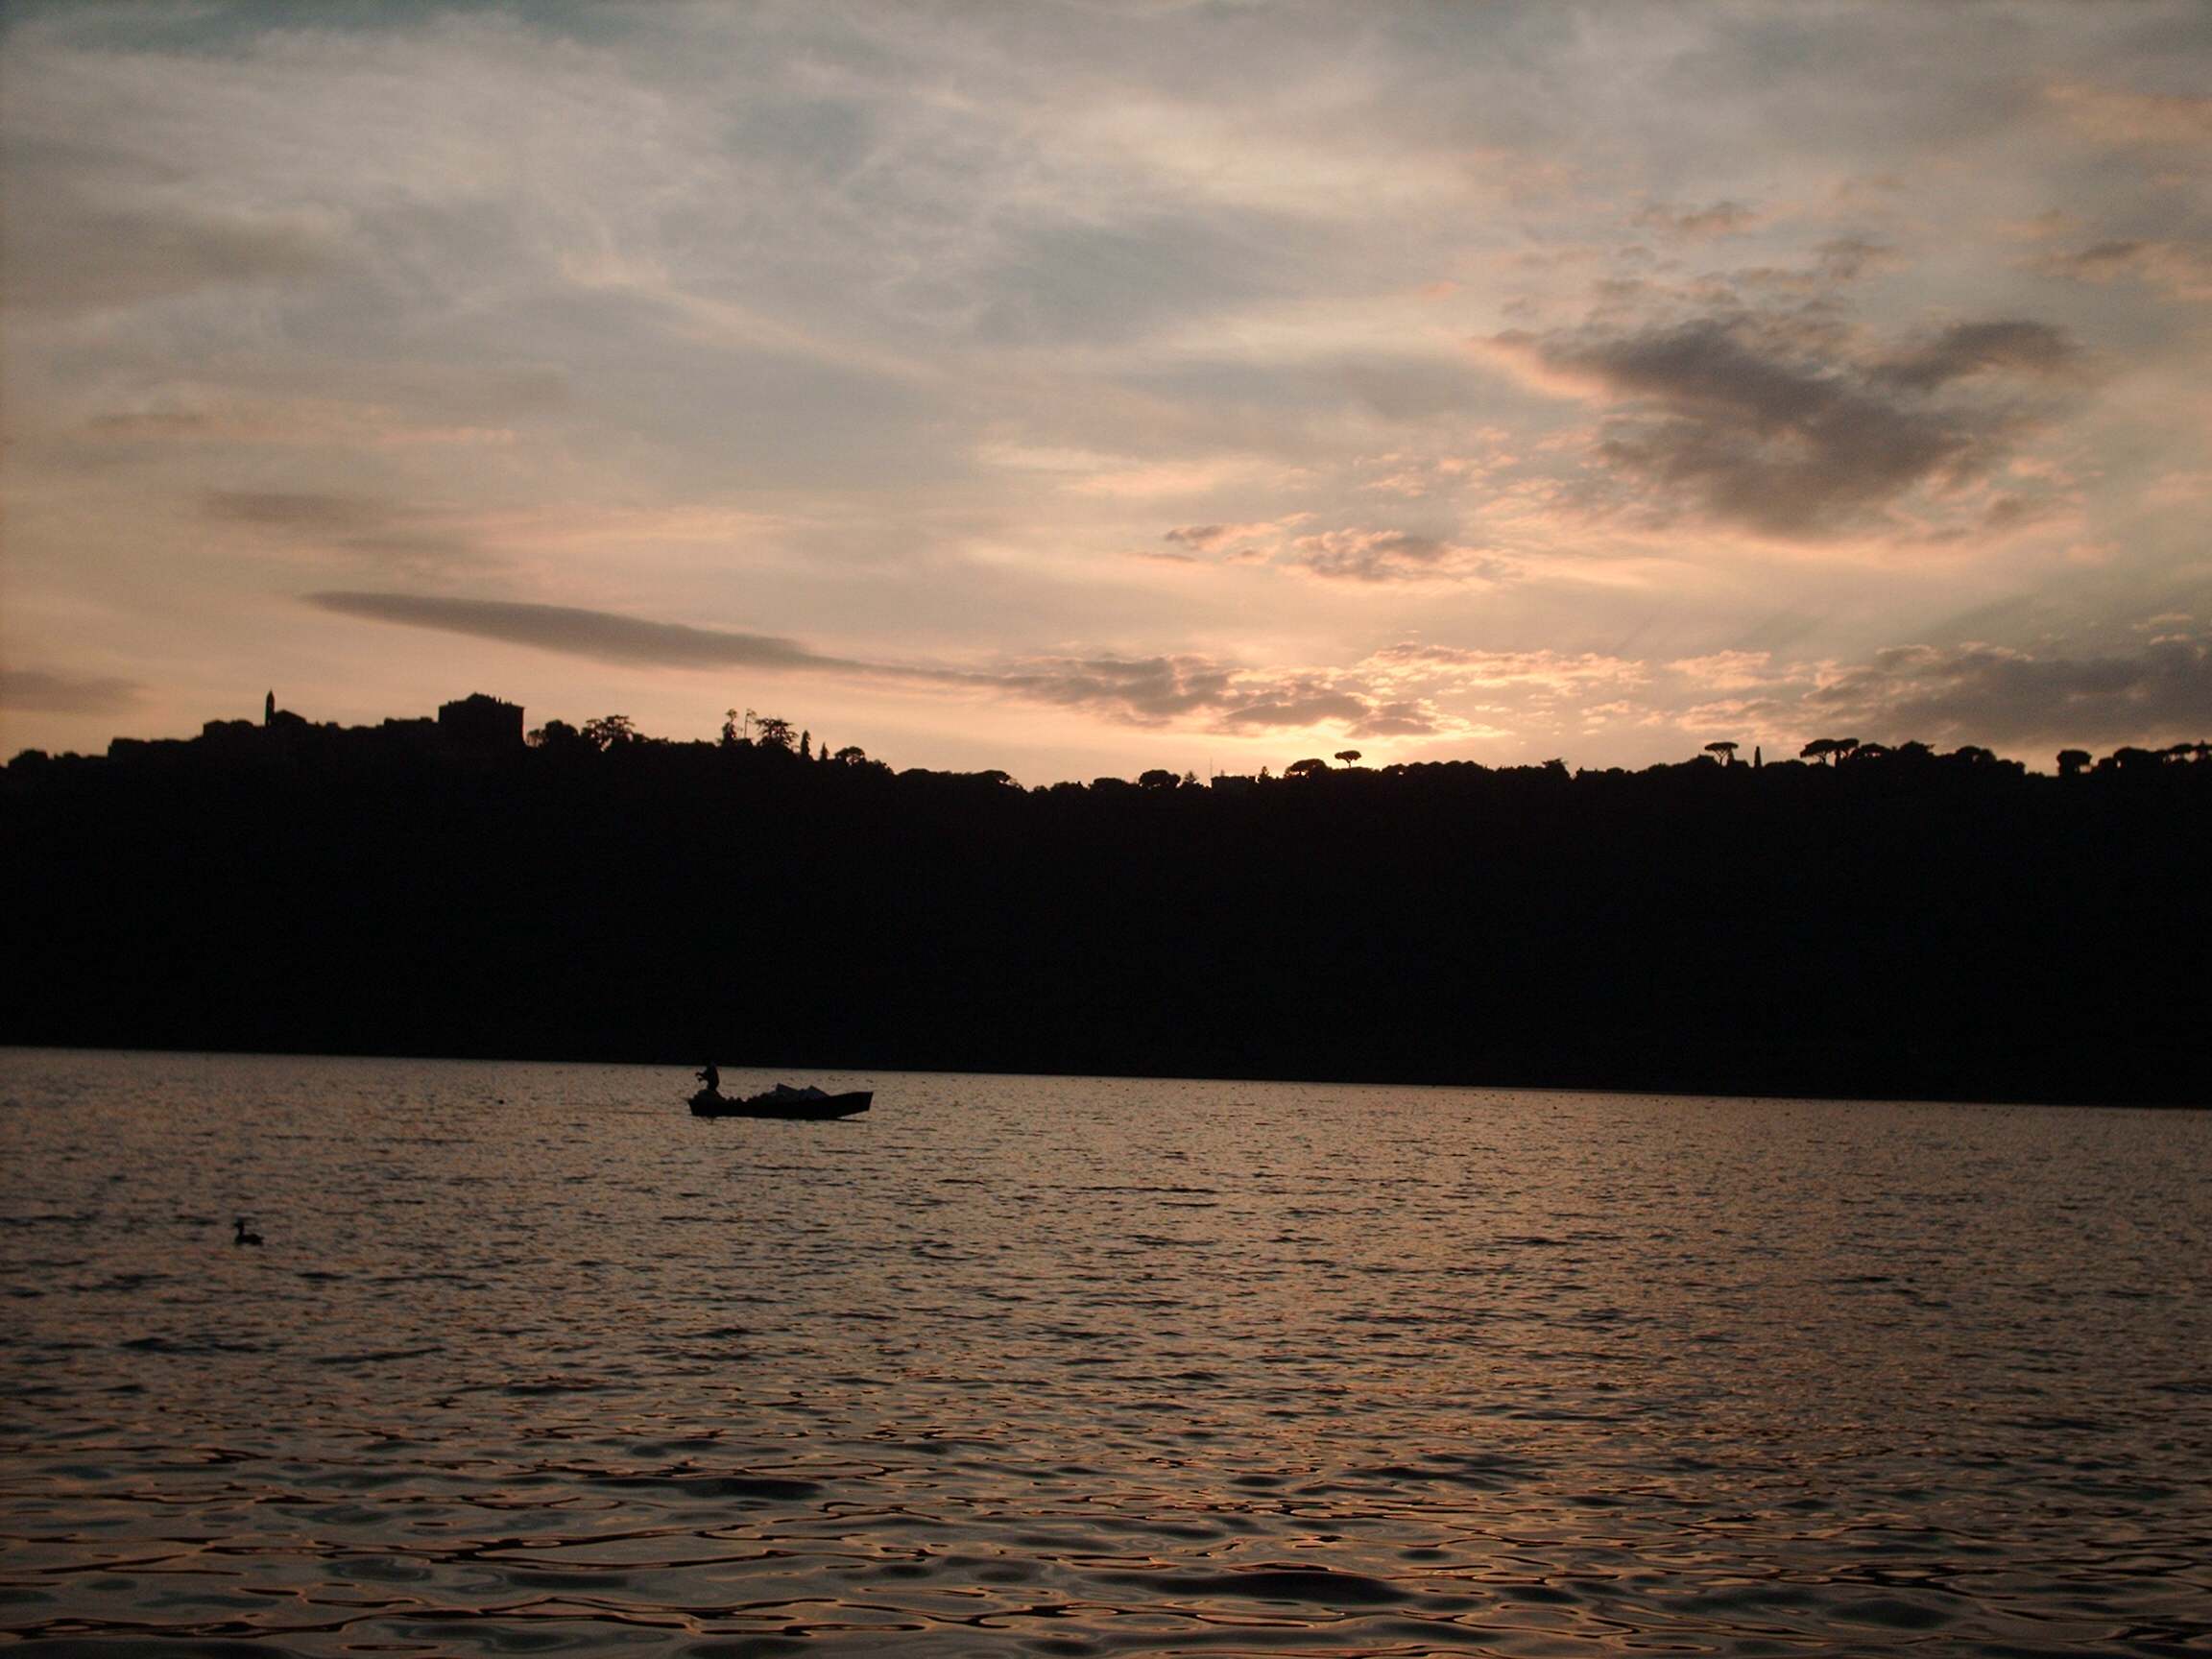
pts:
[1083, 389]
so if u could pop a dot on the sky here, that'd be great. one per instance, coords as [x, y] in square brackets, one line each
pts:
[1081, 388]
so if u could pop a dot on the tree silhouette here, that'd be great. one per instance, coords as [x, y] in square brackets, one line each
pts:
[1022, 928]
[2071, 761]
[610, 730]
[1727, 751]
[1159, 778]
[557, 738]
[1348, 755]
[772, 732]
[1308, 768]
[1819, 749]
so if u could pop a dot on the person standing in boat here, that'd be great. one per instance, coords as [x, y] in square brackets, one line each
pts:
[711, 1076]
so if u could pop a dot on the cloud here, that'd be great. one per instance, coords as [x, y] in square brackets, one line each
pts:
[1730, 670]
[1203, 692]
[1245, 540]
[599, 635]
[1847, 258]
[1345, 555]
[1552, 672]
[2014, 347]
[1394, 556]
[371, 526]
[1212, 695]
[1784, 424]
[1993, 694]
[292, 422]
[2183, 268]
[1718, 218]
[2118, 116]
[70, 252]
[39, 691]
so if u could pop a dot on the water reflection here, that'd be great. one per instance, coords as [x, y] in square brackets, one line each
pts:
[535, 1360]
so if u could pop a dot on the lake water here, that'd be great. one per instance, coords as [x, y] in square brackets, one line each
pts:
[534, 1363]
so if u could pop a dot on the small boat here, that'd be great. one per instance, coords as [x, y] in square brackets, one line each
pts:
[781, 1102]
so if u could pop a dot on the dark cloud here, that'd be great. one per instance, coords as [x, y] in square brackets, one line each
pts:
[1989, 694]
[2021, 347]
[1398, 719]
[1307, 706]
[1393, 556]
[598, 634]
[1780, 422]
[1145, 690]
[36, 691]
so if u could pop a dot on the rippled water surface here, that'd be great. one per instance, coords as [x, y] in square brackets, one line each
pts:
[533, 1361]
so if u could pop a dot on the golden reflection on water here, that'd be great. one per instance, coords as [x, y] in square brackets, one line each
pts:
[533, 1360]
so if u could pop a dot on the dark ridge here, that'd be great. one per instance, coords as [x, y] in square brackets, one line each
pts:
[1893, 923]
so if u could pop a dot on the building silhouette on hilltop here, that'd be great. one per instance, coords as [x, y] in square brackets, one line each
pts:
[476, 727]
[480, 722]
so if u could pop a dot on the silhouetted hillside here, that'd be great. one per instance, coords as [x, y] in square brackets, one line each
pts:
[1899, 922]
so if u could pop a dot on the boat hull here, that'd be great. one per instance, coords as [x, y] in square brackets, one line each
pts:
[706, 1103]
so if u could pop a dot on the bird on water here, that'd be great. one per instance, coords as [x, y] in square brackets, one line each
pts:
[243, 1236]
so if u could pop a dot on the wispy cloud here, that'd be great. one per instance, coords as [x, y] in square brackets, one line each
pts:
[1201, 692]
[599, 635]
[1350, 554]
[1714, 219]
[288, 424]
[1554, 672]
[44, 692]
[1733, 670]
[2118, 115]
[2182, 269]
[383, 530]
